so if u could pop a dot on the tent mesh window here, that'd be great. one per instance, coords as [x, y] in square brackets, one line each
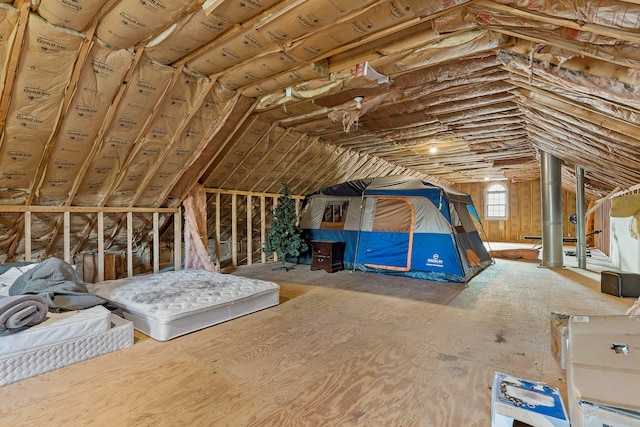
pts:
[334, 215]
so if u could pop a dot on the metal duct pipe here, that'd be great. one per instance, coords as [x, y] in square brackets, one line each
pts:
[581, 220]
[551, 190]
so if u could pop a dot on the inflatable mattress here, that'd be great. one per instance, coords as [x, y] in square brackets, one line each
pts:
[167, 305]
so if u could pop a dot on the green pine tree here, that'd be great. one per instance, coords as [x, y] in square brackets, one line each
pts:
[284, 237]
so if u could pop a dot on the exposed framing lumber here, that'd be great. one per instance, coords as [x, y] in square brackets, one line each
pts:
[283, 158]
[274, 146]
[176, 137]
[134, 149]
[248, 154]
[274, 205]
[70, 90]
[579, 110]
[137, 143]
[234, 229]
[301, 153]
[313, 170]
[67, 236]
[575, 25]
[371, 39]
[100, 246]
[156, 243]
[263, 227]
[66, 212]
[177, 240]
[249, 230]
[600, 202]
[566, 47]
[248, 193]
[212, 132]
[105, 126]
[233, 219]
[221, 149]
[12, 66]
[226, 148]
[129, 244]
[83, 209]
[27, 236]
[218, 228]
[267, 15]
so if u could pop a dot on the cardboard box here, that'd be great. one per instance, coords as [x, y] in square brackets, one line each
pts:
[530, 402]
[560, 337]
[603, 371]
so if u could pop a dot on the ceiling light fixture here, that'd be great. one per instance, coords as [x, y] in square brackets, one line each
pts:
[433, 149]
[358, 100]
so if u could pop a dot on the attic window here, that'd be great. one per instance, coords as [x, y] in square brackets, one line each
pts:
[495, 201]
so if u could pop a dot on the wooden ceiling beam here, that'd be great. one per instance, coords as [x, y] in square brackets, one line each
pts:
[579, 110]
[12, 65]
[197, 104]
[70, 90]
[566, 46]
[136, 144]
[99, 141]
[562, 22]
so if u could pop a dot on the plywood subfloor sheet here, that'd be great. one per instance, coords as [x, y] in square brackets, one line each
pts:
[345, 349]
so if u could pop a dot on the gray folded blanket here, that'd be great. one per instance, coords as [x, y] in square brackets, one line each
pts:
[57, 282]
[21, 311]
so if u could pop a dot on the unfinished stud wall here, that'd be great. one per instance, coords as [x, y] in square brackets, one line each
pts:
[525, 211]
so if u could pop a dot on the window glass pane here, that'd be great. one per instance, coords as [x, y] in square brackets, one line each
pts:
[496, 201]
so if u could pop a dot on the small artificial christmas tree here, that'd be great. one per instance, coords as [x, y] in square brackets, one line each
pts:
[284, 237]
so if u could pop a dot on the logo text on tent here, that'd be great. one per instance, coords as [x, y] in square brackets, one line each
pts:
[435, 261]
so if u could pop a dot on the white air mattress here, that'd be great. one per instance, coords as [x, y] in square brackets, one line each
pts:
[57, 327]
[28, 363]
[167, 305]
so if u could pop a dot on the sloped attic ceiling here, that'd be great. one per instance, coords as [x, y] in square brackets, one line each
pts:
[128, 103]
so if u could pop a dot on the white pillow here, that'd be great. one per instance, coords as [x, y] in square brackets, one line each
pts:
[8, 277]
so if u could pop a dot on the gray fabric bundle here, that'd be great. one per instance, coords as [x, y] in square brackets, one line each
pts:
[20, 311]
[57, 282]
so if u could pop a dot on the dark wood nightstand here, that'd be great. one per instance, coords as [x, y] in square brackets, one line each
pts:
[327, 255]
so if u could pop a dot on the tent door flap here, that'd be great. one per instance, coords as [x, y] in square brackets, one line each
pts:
[389, 244]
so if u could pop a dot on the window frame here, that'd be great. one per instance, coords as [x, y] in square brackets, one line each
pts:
[487, 205]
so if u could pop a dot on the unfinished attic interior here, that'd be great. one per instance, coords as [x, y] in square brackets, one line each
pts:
[119, 106]
[135, 134]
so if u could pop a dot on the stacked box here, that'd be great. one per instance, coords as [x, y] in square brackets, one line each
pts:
[603, 371]
[560, 337]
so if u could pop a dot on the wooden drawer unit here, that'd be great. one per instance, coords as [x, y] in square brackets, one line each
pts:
[327, 255]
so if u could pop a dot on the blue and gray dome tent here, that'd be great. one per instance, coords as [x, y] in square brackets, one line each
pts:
[399, 225]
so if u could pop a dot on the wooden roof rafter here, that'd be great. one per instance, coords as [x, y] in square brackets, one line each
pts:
[12, 66]
[141, 135]
[562, 22]
[301, 151]
[249, 153]
[105, 125]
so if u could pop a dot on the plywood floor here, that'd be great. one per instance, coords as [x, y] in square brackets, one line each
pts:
[342, 349]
